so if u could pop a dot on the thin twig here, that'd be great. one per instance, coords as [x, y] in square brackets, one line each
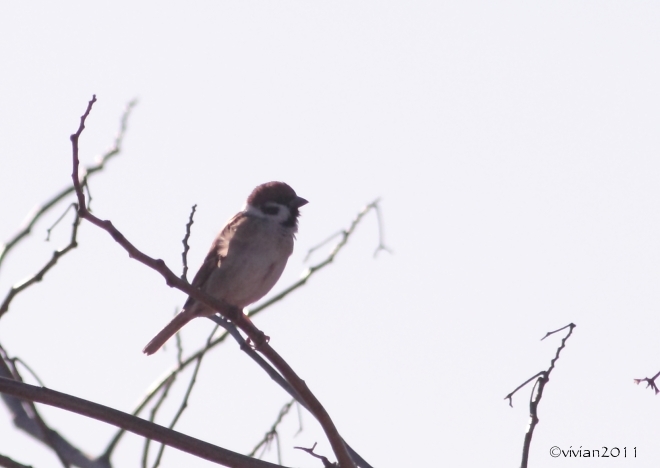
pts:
[570, 325]
[300, 429]
[381, 230]
[48, 435]
[345, 235]
[186, 247]
[24, 418]
[274, 374]
[184, 402]
[165, 389]
[272, 433]
[323, 243]
[50, 229]
[85, 186]
[510, 395]
[258, 337]
[179, 346]
[153, 391]
[326, 462]
[30, 421]
[15, 360]
[152, 416]
[650, 382]
[274, 437]
[131, 423]
[542, 378]
[37, 213]
[16, 289]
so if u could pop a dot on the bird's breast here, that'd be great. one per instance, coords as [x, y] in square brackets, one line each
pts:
[255, 259]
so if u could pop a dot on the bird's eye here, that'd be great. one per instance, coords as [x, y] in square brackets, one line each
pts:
[270, 210]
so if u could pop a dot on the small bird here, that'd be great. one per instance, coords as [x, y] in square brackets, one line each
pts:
[246, 258]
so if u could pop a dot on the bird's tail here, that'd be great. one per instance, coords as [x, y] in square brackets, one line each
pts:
[168, 332]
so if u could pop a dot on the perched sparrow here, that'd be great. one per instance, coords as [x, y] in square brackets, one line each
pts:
[246, 258]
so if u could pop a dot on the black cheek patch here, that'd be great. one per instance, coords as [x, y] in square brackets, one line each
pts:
[270, 210]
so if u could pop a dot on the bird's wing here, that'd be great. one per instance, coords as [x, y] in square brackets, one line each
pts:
[214, 257]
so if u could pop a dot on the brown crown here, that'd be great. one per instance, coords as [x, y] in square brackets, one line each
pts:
[277, 192]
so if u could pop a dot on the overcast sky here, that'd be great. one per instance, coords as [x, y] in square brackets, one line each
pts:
[514, 146]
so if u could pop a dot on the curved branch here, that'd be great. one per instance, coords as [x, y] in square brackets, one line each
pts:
[37, 277]
[226, 310]
[114, 150]
[26, 419]
[540, 381]
[307, 274]
[9, 463]
[131, 423]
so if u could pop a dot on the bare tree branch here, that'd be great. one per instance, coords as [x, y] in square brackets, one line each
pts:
[650, 382]
[58, 220]
[131, 423]
[184, 402]
[345, 235]
[114, 150]
[179, 344]
[381, 242]
[156, 388]
[272, 434]
[326, 462]
[152, 416]
[550, 333]
[25, 418]
[9, 463]
[276, 376]
[16, 289]
[227, 310]
[542, 378]
[49, 436]
[17, 360]
[186, 247]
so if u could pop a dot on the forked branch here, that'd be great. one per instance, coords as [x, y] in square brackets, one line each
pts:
[131, 423]
[541, 379]
[226, 310]
[32, 219]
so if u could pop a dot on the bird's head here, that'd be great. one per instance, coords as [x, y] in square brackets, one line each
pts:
[276, 200]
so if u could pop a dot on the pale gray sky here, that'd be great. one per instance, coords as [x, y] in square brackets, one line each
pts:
[514, 145]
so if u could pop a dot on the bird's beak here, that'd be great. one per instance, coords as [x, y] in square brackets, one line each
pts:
[298, 202]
